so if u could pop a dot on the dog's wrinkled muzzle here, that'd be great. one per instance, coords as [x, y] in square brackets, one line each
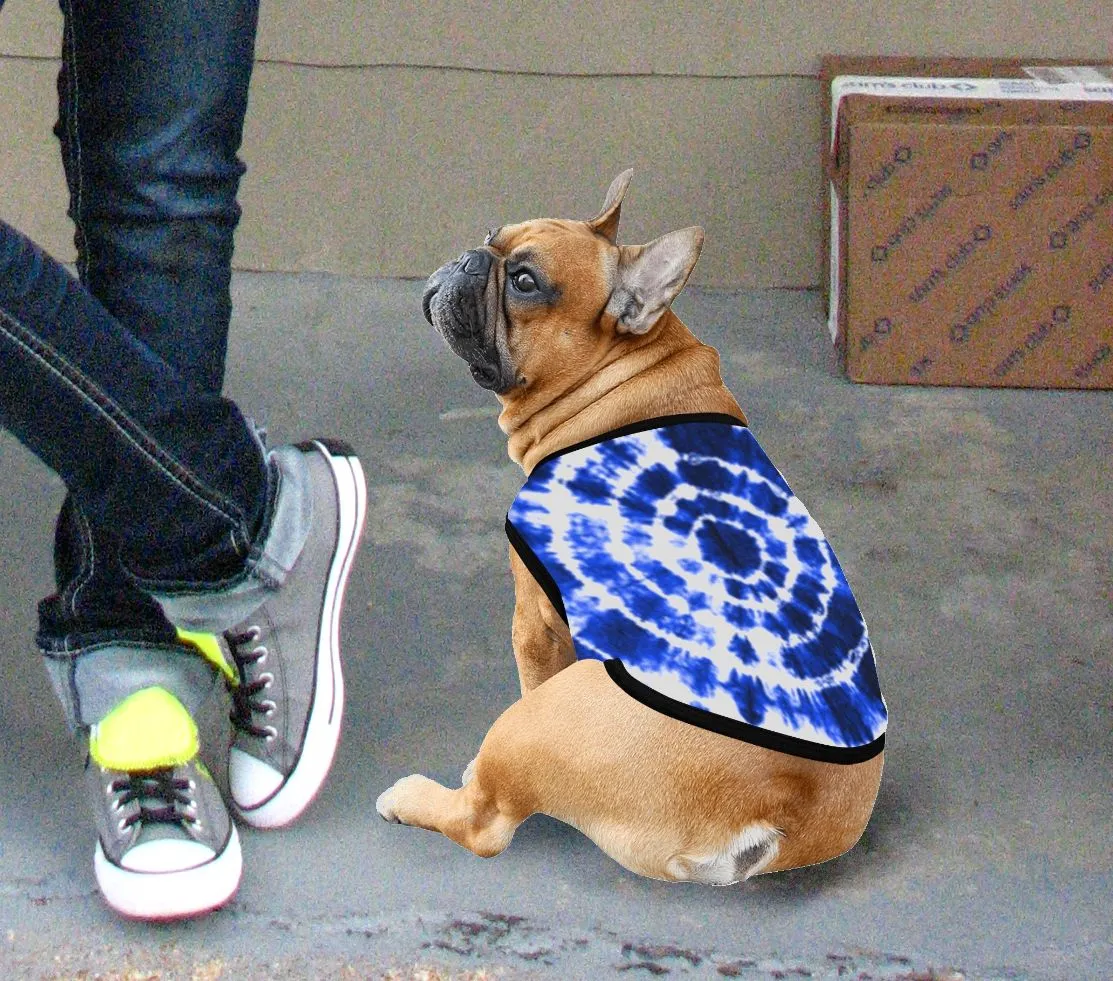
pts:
[455, 302]
[474, 265]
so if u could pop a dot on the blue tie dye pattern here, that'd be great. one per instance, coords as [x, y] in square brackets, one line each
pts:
[681, 551]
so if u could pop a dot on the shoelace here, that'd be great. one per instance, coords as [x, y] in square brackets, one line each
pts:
[246, 705]
[174, 794]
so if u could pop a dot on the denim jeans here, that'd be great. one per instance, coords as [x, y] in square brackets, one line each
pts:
[201, 514]
[117, 385]
[175, 472]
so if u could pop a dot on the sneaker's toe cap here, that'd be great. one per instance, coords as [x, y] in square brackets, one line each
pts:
[175, 890]
[167, 855]
[251, 781]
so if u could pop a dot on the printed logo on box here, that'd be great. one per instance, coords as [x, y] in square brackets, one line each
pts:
[910, 85]
[983, 158]
[901, 156]
[957, 257]
[1060, 317]
[882, 328]
[962, 331]
[1096, 360]
[1066, 157]
[920, 369]
[1061, 236]
[1104, 275]
[910, 223]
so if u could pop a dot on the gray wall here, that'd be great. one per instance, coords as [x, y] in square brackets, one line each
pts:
[384, 138]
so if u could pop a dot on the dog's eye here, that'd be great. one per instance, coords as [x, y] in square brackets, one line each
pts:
[524, 282]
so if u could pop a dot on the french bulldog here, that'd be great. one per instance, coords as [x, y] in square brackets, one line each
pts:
[698, 690]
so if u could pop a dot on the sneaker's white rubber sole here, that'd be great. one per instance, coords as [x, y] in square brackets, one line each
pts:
[327, 709]
[171, 895]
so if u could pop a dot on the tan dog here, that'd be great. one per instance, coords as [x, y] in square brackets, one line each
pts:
[576, 337]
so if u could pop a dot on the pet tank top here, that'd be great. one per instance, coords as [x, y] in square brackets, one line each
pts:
[678, 555]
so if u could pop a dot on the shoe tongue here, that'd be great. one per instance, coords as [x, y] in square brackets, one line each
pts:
[148, 730]
[160, 831]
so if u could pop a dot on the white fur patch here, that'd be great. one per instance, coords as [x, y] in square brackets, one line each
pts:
[751, 851]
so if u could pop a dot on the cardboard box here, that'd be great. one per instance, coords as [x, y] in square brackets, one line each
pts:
[972, 223]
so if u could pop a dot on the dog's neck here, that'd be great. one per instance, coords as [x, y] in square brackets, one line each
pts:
[675, 374]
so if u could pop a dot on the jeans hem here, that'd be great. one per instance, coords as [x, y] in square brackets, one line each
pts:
[71, 644]
[245, 548]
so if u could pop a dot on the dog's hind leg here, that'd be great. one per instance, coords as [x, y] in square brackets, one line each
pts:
[661, 797]
[528, 758]
[500, 786]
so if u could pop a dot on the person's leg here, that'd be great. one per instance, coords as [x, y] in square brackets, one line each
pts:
[183, 480]
[152, 101]
[129, 423]
[252, 549]
[152, 98]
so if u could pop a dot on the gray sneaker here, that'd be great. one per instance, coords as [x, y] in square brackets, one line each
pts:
[166, 847]
[281, 632]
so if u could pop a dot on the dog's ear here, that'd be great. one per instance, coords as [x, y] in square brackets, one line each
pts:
[650, 276]
[606, 222]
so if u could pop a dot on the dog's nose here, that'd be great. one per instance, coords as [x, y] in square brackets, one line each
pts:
[475, 263]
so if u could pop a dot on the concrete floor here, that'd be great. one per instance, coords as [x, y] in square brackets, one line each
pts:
[973, 525]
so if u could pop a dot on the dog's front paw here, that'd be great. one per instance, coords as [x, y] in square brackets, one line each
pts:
[385, 806]
[405, 801]
[392, 802]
